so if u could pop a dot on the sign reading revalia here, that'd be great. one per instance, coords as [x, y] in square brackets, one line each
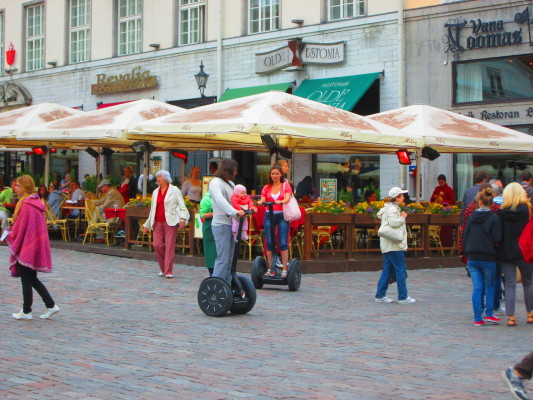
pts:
[134, 80]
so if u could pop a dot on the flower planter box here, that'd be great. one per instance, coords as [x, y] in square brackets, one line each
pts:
[366, 219]
[329, 219]
[444, 219]
[417, 218]
[138, 212]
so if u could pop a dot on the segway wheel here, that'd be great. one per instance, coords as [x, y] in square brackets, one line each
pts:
[215, 297]
[258, 269]
[294, 275]
[242, 306]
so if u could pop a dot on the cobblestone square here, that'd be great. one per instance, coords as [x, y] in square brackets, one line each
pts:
[125, 333]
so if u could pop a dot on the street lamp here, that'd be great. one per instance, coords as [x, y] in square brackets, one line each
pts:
[201, 79]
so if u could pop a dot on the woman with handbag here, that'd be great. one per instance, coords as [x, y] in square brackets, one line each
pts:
[278, 191]
[393, 244]
[514, 215]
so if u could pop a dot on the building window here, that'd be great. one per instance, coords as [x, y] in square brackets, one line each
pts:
[191, 21]
[2, 49]
[80, 16]
[35, 37]
[342, 9]
[494, 80]
[263, 15]
[129, 26]
[358, 171]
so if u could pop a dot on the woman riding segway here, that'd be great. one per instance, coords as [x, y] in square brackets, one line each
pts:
[276, 193]
[224, 291]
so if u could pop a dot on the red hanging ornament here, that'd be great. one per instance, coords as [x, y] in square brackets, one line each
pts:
[10, 54]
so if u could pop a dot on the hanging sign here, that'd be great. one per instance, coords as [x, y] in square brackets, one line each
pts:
[10, 54]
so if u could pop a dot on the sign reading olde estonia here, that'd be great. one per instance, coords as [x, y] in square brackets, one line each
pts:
[297, 53]
[481, 34]
[133, 80]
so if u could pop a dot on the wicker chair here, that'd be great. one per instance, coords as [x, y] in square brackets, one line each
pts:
[95, 223]
[55, 224]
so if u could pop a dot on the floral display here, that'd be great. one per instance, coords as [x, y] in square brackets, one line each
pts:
[443, 209]
[334, 208]
[140, 201]
[372, 209]
[189, 204]
[414, 208]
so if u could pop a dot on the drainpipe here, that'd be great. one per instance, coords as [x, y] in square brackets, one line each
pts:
[220, 83]
[401, 76]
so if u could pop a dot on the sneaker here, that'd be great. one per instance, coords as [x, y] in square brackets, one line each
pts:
[169, 276]
[515, 383]
[279, 264]
[492, 320]
[383, 300]
[499, 311]
[479, 323]
[408, 300]
[49, 312]
[161, 274]
[21, 315]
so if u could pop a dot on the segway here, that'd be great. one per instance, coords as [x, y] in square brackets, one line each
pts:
[259, 266]
[216, 297]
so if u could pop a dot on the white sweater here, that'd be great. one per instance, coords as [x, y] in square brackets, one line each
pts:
[221, 198]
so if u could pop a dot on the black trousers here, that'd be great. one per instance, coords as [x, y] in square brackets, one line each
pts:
[29, 280]
[525, 367]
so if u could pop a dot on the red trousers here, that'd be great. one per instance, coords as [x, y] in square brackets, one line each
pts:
[164, 238]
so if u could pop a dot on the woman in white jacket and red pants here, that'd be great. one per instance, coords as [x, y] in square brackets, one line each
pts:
[167, 214]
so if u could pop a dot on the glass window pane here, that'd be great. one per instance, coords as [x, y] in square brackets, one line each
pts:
[494, 80]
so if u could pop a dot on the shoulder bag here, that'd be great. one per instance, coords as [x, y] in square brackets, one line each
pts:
[387, 232]
[525, 242]
[291, 211]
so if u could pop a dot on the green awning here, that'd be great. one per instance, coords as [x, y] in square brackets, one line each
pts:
[231, 94]
[343, 92]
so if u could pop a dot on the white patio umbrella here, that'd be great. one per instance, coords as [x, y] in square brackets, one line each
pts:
[449, 132]
[32, 117]
[106, 127]
[298, 124]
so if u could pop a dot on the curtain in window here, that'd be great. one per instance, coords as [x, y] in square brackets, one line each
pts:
[469, 82]
[464, 173]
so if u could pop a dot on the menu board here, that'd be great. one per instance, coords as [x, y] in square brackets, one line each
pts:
[328, 189]
[205, 183]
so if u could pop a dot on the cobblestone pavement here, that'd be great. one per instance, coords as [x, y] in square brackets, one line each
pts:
[125, 333]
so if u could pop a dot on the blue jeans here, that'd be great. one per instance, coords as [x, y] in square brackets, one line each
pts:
[396, 260]
[483, 275]
[283, 231]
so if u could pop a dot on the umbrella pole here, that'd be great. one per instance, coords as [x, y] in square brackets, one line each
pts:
[47, 166]
[418, 170]
[97, 173]
[145, 173]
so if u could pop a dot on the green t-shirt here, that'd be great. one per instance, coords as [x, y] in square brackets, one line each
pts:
[5, 197]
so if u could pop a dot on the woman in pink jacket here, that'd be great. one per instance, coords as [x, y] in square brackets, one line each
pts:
[29, 246]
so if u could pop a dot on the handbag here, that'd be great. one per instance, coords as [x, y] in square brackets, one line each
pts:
[525, 242]
[291, 210]
[387, 232]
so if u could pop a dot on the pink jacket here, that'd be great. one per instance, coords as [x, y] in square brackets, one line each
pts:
[28, 240]
[237, 202]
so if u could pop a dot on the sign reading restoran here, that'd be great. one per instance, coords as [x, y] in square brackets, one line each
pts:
[133, 80]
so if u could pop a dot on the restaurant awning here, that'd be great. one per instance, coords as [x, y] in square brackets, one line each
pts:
[231, 94]
[342, 92]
